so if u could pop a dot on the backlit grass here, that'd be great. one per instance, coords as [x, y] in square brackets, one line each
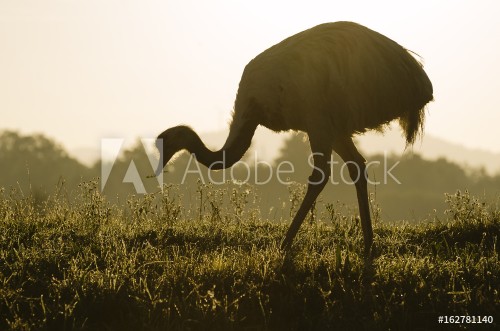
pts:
[80, 263]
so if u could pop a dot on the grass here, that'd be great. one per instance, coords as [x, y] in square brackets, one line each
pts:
[79, 263]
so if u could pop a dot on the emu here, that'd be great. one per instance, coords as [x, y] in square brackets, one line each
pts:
[331, 81]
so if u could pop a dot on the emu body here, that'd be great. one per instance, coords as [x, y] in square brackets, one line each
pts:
[332, 81]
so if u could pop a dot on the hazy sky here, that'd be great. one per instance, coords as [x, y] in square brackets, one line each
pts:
[81, 70]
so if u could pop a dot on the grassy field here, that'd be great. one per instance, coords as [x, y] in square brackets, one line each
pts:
[78, 263]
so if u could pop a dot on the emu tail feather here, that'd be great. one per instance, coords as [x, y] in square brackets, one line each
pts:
[413, 125]
[412, 121]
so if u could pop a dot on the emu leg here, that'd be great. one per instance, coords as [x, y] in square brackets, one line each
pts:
[317, 182]
[357, 170]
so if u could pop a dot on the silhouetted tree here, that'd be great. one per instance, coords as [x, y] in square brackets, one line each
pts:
[36, 164]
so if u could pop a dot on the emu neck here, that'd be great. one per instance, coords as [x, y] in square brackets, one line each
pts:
[237, 143]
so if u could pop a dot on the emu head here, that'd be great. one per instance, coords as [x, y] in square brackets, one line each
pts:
[171, 141]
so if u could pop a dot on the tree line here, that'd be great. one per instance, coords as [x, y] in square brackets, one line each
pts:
[402, 188]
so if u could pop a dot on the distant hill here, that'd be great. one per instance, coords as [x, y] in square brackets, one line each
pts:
[431, 148]
[267, 145]
[86, 155]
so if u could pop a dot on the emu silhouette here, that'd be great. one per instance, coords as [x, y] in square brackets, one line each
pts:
[331, 81]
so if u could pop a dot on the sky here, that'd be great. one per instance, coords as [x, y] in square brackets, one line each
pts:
[82, 70]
